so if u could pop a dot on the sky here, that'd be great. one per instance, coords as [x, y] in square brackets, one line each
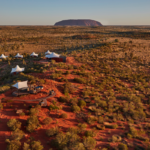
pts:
[48, 12]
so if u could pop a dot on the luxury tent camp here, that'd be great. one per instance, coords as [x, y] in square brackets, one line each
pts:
[3, 56]
[17, 69]
[48, 52]
[18, 56]
[34, 55]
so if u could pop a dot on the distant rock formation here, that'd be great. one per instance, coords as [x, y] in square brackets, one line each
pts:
[80, 22]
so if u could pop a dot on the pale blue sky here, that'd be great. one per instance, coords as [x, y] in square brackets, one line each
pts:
[47, 12]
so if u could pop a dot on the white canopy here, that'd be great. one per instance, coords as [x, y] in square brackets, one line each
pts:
[17, 69]
[3, 56]
[33, 54]
[20, 85]
[48, 52]
[19, 56]
[52, 55]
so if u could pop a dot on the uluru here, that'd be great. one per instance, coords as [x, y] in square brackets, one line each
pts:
[78, 22]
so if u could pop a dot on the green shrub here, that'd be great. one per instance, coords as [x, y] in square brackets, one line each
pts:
[100, 119]
[13, 144]
[33, 111]
[81, 103]
[14, 124]
[33, 123]
[89, 143]
[47, 120]
[52, 131]
[82, 126]
[122, 146]
[36, 145]
[75, 108]
[26, 146]
[17, 134]
[116, 40]
[64, 115]
[1, 106]
[90, 133]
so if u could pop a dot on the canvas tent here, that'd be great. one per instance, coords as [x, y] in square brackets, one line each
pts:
[21, 85]
[48, 52]
[17, 69]
[53, 55]
[3, 56]
[18, 56]
[34, 55]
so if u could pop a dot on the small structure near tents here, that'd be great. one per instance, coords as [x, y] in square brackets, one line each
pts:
[17, 69]
[18, 56]
[48, 52]
[3, 56]
[34, 54]
[43, 102]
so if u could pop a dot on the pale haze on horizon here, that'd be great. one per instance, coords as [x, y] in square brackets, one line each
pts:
[48, 12]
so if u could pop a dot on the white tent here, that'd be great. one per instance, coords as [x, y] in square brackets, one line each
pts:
[48, 52]
[34, 55]
[20, 85]
[52, 55]
[17, 69]
[3, 56]
[19, 56]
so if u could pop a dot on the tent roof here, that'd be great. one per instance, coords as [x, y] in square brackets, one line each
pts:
[18, 55]
[33, 54]
[48, 52]
[3, 56]
[17, 69]
[20, 85]
[52, 55]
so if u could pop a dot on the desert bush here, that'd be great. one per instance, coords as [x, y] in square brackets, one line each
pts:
[74, 100]
[33, 111]
[116, 40]
[13, 144]
[26, 146]
[90, 133]
[17, 135]
[73, 130]
[36, 145]
[4, 88]
[82, 126]
[81, 103]
[14, 124]
[64, 115]
[122, 146]
[53, 106]
[75, 108]
[100, 119]
[32, 123]
[52, 131]
[1, 106]
[64, 99]
[89, 143]
[91, 119]
[47, 120]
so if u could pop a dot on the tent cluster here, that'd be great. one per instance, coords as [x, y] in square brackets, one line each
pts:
[19, 56]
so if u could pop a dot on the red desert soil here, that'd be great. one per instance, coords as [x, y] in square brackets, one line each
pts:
[9, 112]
